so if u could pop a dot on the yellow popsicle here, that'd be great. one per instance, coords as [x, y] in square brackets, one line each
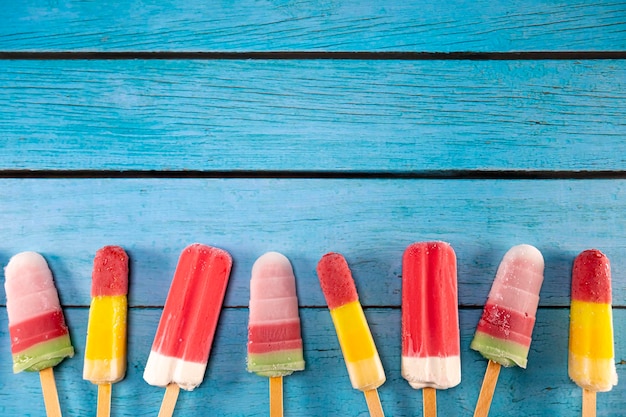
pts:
[357, 345]
[105, 353]
[591, 358]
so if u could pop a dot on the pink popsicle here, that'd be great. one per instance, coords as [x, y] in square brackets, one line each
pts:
[39, 337]
[504, 331]
[503, 334]
[274, 340]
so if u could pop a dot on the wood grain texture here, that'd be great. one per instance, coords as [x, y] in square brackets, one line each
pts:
[343, 116]
[49, 393]
[363, 121]
[430, 25]
[276, 396]
[371, 222]
[487, 389]
[323, 388]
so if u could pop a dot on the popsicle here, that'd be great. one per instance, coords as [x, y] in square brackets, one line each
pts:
[182, 344]
[431, 352]
[274, 339]
[39, 337]
[105, 351]
[503, 334]
[591, 362]
[355, 339]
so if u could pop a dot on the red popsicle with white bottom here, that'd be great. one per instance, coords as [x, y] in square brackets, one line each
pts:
[182, 344]
[431, 353]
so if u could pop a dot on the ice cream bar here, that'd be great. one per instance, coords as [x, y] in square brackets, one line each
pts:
[274, 340]
[357, 345]
[430, 318]
[105, 352]
[591, 362]
[39, 336]
[184, 336]
[504, 331]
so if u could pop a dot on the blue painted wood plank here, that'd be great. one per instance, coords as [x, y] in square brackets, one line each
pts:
[370, 221]
[248, 25]
[323, 389]
[383, 116]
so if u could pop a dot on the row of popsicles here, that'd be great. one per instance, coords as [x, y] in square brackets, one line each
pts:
[430, 327]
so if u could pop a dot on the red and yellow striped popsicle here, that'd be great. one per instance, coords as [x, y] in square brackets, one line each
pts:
[357, 344]
[591, 363]
[105, 351]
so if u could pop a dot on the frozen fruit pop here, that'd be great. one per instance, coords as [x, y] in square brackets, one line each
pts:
[431, 353]
[105, 351]
[182, 344]
[39, 337]
[274, 339]
[430, 316]
[505, 328]
[591, 363]
[504, 332]
[355, 339]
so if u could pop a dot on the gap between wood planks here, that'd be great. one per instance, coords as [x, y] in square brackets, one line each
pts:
[410, 175]
[315, 55]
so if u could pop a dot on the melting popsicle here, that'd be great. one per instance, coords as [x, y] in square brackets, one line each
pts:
[591, 361]
[503, 334]
[182, 344]
[105, 351]
[357, 345]
[274, 340]
[431, 353]
[39, 337]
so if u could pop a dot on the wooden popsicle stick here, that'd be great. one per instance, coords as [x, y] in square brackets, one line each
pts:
[169, 400]
[50, 395]
[373, 403]
[104, 400]
[276, 396]
[429, 397]
[487, 389]
[589, 403]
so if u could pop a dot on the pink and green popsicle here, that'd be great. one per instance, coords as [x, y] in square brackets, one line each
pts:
[274, 339]
[504, 332]
[39, 337]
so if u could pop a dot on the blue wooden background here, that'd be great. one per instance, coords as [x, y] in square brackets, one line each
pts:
[250, 125]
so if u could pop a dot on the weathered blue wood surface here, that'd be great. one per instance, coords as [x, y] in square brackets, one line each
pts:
[370, 221]
[271, 121]
[430, 25]
[384, 116]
